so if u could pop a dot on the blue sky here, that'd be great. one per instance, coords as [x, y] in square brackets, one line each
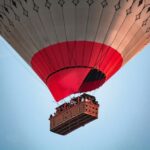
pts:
[25, 105]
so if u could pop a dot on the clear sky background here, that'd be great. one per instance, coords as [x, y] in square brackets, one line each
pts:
[25, 105]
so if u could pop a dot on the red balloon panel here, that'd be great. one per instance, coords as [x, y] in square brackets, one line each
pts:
[75, 66]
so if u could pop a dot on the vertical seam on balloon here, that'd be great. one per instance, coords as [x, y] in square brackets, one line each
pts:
[98, 26]
[64, 24]
[85, 36]
[75, 36]
[56, 36]
[45, 52]
[99, 58]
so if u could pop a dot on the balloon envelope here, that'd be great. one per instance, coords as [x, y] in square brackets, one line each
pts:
[75, 45]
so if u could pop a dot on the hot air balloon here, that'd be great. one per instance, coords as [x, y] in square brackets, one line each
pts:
[75, 46]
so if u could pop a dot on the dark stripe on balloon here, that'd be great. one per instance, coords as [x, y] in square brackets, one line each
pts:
[67, 68]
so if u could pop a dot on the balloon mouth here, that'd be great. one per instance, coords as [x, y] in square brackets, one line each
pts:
[92, 79]
[78, 78]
